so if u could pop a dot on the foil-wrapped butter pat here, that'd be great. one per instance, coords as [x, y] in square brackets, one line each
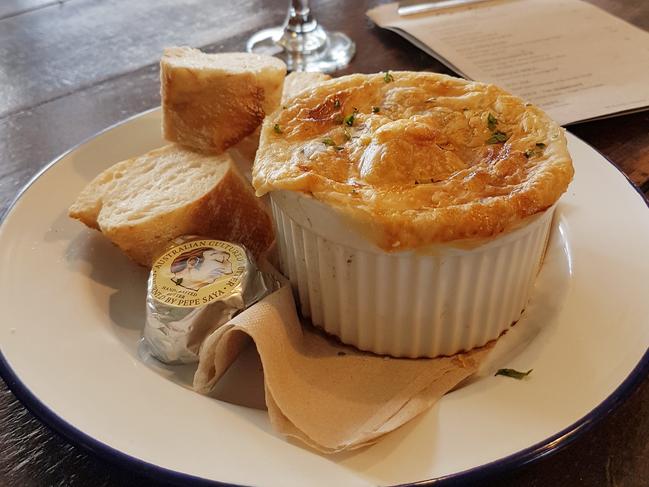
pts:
[194, 287]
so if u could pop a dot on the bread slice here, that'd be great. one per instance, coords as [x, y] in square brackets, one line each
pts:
[141, 204]
[212, 101]
[299, 81]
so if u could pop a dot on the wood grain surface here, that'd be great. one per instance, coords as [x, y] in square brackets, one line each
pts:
[69, 69]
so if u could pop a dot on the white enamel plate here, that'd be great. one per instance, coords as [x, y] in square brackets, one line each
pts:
[73, 309]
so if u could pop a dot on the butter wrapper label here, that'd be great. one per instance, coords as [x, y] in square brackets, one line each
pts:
[197, 272]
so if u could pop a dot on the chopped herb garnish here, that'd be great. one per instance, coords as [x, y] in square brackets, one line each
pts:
[537, 151]
[497, 137]
[336, 103]
[376, 109]
[349, 119]
[277, 129]
[514, 374]
[329, 142]
[347, 135]
[387, 77]
[492, 122]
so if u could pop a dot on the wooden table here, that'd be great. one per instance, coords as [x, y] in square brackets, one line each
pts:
[71, 68]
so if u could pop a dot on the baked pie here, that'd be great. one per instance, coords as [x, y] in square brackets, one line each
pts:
[399, 179]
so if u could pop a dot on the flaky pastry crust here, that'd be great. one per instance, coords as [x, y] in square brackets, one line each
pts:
[417, 158]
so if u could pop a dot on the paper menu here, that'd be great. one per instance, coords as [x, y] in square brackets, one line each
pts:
[571, 58]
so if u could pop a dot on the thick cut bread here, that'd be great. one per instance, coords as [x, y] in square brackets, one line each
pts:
[299, 81]
[212, 101]
[141, 204]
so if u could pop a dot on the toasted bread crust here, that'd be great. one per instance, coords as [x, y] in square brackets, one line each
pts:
[232, 212]
[211, 108]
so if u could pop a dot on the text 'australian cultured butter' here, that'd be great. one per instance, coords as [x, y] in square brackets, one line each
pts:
[195, 286]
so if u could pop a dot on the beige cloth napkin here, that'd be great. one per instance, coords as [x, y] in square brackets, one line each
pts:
[328, 395]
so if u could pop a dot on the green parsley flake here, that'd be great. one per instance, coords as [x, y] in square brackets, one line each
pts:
[492, 122]
[538, 149]
[513, 373]
[376, 109]
[387, 77]
[497, 137]
[329, 142]
[277, 129]
[349, 119]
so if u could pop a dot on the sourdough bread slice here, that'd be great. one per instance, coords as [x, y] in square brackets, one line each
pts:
[212, 101]
[141, 204]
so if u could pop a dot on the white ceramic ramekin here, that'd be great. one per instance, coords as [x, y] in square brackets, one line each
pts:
[407, 304]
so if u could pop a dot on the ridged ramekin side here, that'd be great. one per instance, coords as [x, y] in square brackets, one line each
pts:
[411, 304]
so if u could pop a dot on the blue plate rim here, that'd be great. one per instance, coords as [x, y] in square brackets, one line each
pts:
[542, 449]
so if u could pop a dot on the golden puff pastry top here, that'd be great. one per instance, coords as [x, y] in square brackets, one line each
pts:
[419, 158]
